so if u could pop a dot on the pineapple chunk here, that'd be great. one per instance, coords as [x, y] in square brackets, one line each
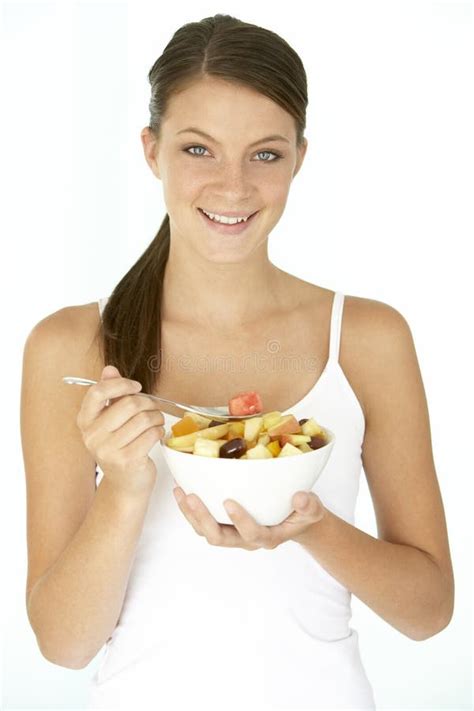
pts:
[207, 447]
[258, 452]
[288, 450]
[252, 428]
[311, 428]
[216, 432]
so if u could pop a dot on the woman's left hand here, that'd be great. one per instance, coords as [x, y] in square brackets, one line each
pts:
[246, 532]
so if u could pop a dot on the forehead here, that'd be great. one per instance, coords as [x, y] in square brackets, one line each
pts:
[220, 107]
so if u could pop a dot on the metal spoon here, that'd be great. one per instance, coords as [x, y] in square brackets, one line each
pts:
[217, 413]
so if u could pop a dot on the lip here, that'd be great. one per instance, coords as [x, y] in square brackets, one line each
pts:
[228, 229]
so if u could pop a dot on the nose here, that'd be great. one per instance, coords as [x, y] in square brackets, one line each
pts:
[234, 183]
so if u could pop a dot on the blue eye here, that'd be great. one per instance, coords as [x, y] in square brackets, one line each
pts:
[194, 154]
[277, 156]
[272, 153]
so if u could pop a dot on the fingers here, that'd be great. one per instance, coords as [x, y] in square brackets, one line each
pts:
[128, 407]
[245, 533]
[110, 386]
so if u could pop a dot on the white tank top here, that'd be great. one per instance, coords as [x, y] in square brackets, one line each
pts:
[214, 628]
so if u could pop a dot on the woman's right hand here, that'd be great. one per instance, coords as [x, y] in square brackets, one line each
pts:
[120, 435]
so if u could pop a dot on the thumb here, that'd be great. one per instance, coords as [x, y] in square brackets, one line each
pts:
[110, 371]
[308, 504]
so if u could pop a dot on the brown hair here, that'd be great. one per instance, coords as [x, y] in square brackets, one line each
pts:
[129, 334]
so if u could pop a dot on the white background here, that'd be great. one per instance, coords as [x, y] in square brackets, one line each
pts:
[380, 210]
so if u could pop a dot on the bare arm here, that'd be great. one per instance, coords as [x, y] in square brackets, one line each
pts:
[74, 607]
[401, 584]
[81, 541]
[406, 574]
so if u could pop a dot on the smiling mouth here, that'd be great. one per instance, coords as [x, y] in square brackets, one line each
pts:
[225, 223]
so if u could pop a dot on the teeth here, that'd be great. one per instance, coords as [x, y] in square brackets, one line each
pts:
[225, 220]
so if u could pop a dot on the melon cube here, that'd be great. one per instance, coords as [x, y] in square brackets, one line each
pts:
[252, 428]
[270, 419]
[287, 424]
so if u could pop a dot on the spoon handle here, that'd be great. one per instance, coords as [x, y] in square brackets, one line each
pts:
[72, 380]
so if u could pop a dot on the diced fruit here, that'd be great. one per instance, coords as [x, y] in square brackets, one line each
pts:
[287, 424]
[264, 436]
[270, 419]
[295, 439]
[246, 403]
[184, 426]
[234, 448]
[209, 433]
[289, 449]
[253, 427]
[201, 421]
[274, 448]
[207, 447]
[317, 441]
[237, 428]
[311, 427]
[259, 452]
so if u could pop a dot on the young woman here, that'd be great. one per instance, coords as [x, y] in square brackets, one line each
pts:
[193, 613]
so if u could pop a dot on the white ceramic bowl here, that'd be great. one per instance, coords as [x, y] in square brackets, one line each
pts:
[264, 487]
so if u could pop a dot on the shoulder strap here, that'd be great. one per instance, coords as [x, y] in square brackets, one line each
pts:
[336, 323]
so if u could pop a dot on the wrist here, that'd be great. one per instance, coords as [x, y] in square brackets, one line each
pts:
[314, 530]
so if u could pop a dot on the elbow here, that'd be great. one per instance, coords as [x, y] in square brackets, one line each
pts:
[437, 626]
[63, 660]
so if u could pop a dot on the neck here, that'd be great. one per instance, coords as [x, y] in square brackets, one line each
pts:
[221, 297]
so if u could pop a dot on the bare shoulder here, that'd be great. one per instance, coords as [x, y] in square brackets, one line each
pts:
[71, 333]
[371, 331]
[397, 453]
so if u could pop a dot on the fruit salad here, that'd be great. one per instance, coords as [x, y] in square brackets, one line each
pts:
[264, 436]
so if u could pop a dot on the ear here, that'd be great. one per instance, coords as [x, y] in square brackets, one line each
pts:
[150, 148]
[300, 156]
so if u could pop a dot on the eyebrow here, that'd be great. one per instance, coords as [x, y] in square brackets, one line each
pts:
[267, 139]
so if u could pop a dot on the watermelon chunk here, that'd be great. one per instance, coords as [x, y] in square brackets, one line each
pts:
[247, 403]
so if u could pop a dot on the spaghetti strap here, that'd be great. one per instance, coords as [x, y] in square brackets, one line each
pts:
[336, 322]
